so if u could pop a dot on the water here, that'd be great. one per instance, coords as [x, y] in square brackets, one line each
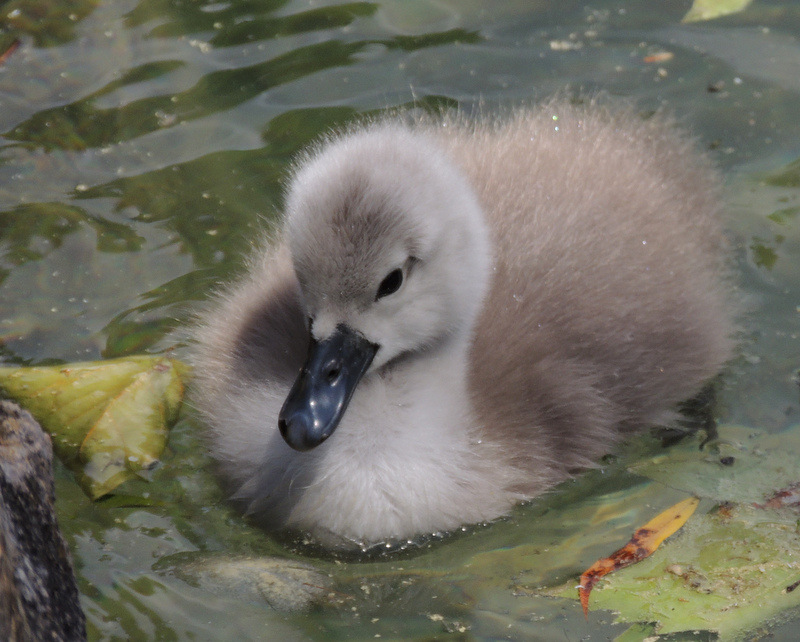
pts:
[144, 146]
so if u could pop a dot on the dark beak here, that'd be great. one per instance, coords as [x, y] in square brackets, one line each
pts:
[319, 397]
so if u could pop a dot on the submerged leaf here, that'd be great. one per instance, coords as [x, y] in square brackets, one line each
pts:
[784, 216]
[710, 9]
[764, 255]
[789, 176]
[108, 419]
[285, 584]
[644, 542]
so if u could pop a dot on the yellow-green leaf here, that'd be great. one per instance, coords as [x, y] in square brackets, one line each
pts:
[710, 9]
[108, 419]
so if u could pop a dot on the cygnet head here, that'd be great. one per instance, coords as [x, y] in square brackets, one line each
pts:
[392, 254]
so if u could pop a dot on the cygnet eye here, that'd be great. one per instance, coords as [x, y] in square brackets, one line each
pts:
[390, 284]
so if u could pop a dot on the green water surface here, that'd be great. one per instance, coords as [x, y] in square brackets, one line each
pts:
[143, 147]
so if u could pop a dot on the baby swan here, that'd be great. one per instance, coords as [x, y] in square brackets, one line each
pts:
[475, 311]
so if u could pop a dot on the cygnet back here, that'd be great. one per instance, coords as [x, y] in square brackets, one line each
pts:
[610, 298]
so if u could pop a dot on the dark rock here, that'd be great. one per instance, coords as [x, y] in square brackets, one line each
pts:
[39, 598]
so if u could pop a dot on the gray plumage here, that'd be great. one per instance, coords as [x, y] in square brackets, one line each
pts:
[563, 283]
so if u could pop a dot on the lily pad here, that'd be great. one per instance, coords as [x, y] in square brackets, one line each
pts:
[732, 568]
[108, 419]
[727, 572]
[637, 633]
[746, 466]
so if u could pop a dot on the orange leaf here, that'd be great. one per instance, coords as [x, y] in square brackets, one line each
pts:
[644, 543]
[11, 49]
[661, 56]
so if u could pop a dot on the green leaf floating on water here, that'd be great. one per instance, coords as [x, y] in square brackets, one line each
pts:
[746, 465]
[710, 9]
[728, 572]
[108, 419]
[733, 568]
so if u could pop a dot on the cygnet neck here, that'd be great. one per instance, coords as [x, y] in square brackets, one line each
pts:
[430, 387]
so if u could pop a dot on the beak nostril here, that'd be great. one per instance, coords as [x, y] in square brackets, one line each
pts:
[332, 372]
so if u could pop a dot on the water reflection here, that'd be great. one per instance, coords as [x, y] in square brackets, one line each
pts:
[167, 149]
[143, 150]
